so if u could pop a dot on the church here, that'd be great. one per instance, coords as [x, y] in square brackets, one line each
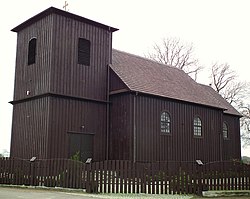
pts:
[76, 96]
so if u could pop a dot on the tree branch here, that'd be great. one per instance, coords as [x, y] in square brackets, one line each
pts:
[173, 53]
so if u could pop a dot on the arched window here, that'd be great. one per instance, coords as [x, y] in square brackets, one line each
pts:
[225, 130]
[197, 126]
[165, 122]
[32, 51]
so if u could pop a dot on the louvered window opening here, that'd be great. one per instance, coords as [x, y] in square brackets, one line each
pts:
[84, 51]
[32, 51]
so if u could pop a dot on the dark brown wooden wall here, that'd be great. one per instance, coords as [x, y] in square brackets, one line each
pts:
[69, 116]
[35, 77]
[121, 127]
[56, 68]
[232, 146]
[180, 145]
[41, 127]
[70, 78]
[56, 72]
[29, 129]
[115, 82]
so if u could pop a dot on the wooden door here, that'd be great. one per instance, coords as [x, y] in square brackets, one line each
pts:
[80, 146]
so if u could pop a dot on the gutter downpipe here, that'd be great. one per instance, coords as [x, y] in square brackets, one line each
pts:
[108, 102]
[221, 138]
[134, 127]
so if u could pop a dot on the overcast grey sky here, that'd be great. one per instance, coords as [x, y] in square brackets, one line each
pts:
[218, 29]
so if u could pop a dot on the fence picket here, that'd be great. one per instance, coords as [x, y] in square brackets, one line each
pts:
[101, 176]
[105, 176]
[133, 178]
[143, 178]
[115, 176]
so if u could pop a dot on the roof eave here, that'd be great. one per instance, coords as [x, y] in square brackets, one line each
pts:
[161, 96]
[63, 13]
[234, 114]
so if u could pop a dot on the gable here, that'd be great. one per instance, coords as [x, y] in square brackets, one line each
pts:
[116, 84]
[62, 13]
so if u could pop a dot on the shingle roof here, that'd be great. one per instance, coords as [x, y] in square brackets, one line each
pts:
[213, 94]
[146, 76]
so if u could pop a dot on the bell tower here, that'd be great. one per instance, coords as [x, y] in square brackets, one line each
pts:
[61, 87]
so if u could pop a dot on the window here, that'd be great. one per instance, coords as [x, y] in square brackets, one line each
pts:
[83, 51]
[32, 51]
[197, 126]
[165, 122]
[225, 130]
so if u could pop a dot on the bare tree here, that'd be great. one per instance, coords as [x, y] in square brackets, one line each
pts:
[174, 53]
[4, 153]
[224, 81]
[245, 124]
[222, 75]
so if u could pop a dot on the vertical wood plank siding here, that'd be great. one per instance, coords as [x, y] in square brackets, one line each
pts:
[64, 95]
[180, 145]
[121, 117]
[69, 77]
[35, 77]
[69, 116]
[231, 146]
[56, 68]
[56, 71]
[40, 127]
[115, 82]
[29, 129]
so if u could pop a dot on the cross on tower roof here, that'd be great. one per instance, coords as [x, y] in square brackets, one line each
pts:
[65, 6]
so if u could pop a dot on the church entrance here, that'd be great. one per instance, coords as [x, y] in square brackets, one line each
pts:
[80, 146]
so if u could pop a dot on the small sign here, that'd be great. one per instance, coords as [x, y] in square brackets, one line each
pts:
[32, 159]
[88, 160]
[199, 162]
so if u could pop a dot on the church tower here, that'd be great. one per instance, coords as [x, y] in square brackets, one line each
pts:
[61, 87]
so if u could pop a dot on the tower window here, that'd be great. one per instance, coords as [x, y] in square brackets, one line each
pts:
[84, 51]
[32, 51]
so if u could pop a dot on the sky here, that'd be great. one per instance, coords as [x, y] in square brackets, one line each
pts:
[218, 30]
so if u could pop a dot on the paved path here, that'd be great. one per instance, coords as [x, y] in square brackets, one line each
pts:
[21, 193]
[31, 193]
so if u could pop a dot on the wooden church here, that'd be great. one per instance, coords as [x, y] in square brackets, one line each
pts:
[74, 94]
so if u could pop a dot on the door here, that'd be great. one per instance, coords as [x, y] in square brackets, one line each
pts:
[80, 146]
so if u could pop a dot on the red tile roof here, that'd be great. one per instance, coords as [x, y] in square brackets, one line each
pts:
[146, 76]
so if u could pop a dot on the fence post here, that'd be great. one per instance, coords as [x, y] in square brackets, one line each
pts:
[32, 171]
[199, 175]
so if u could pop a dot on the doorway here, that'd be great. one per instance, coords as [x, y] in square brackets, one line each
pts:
[80, 146]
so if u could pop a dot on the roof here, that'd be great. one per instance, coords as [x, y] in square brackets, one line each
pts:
[213, 94]
[150, 77]
[62, 13]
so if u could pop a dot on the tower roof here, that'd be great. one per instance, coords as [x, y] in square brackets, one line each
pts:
[63, 13]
